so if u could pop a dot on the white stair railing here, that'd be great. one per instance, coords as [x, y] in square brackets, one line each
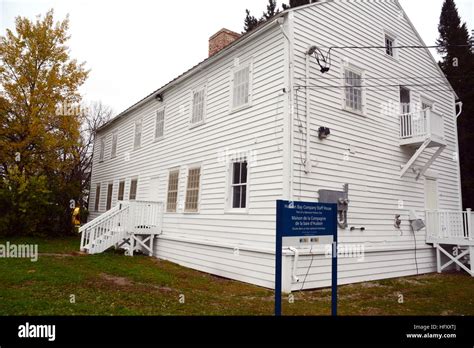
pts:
[449, 226]
[106, 230]
[110, 228]
[421, 123]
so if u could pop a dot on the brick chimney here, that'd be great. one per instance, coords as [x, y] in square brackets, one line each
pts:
[221, 40]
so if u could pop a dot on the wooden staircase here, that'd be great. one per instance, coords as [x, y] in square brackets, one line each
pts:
[129, 225]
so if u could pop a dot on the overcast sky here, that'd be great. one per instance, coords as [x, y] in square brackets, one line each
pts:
[134, 47]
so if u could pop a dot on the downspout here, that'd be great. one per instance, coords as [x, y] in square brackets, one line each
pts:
[459, 104]
[281, 21]
[295, 264]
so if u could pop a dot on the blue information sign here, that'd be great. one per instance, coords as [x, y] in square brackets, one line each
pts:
[303, 219]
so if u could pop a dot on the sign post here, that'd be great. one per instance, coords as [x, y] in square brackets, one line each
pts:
[305, 224]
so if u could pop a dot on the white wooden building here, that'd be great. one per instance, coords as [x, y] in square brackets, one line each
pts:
[197, 166]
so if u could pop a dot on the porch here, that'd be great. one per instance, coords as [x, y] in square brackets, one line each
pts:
[454, 230]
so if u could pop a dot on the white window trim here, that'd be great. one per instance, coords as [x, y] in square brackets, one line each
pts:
[130, 189]
[112, 154]
[176, 211]
[162, 108]
[202, 87]
[229, 194]
[236, 68]
[348, 66]
[97, 198]
[137, 147]
[394, 38]
[198, 211]
[118, 189]
[102, 142]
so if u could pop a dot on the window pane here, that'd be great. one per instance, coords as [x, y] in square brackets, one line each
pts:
[241, 87]
[138, 133]
[192, 192]
[109, 196]
[172, 191]
[160, 124]
[243, 197]
[97, 198]
[243, 172]
[133, 190]
[236, 194]
[102, 149]
[236, 173]
[114, 145]
[121, 191]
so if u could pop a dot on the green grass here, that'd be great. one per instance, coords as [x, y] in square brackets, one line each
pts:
[113, 284]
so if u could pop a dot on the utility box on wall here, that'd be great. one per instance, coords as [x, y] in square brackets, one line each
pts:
[341, 198]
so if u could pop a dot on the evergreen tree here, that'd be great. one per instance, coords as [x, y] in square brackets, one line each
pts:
[250, 22]
[271, 10]
[458, 65]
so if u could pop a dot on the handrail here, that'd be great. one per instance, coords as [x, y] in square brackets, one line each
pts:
[141, 217]
[421, 123]
[449, 225]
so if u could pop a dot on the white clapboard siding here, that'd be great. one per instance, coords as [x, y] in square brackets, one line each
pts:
[372, 170]
[207, 240]
[257, 129]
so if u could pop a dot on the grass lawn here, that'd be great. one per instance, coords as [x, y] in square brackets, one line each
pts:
[113, 284]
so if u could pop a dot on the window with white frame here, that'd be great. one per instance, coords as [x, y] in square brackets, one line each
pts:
[389, 45]
[102, 149]
[241, 87]
[239, 184]
[121, 191]
[353, 90]
[160, 124]
[110, 189]
[97, 198]
[192, 190]
[199, 100]
[172, 199]
[113, 152]
[138, 134]
[133, 190]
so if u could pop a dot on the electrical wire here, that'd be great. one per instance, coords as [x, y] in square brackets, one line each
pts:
[307, 272]
[387, 77]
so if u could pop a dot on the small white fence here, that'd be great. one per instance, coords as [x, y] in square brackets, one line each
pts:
[421, 123]
[449, 227]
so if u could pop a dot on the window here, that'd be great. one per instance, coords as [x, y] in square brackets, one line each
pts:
[138, 134]
[121, 191]
[405, 100]
[192, 190]
[172, 199]
[198, 106]
[110, 189]
[241, 87]
[102, 149]
[133, 190]
[113, 152]
[353, 90]
[239, 185]
[160, 124]
[389, 43]
[97, 197]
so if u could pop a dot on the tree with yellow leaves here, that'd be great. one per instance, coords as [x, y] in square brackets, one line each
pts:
[38, 140]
